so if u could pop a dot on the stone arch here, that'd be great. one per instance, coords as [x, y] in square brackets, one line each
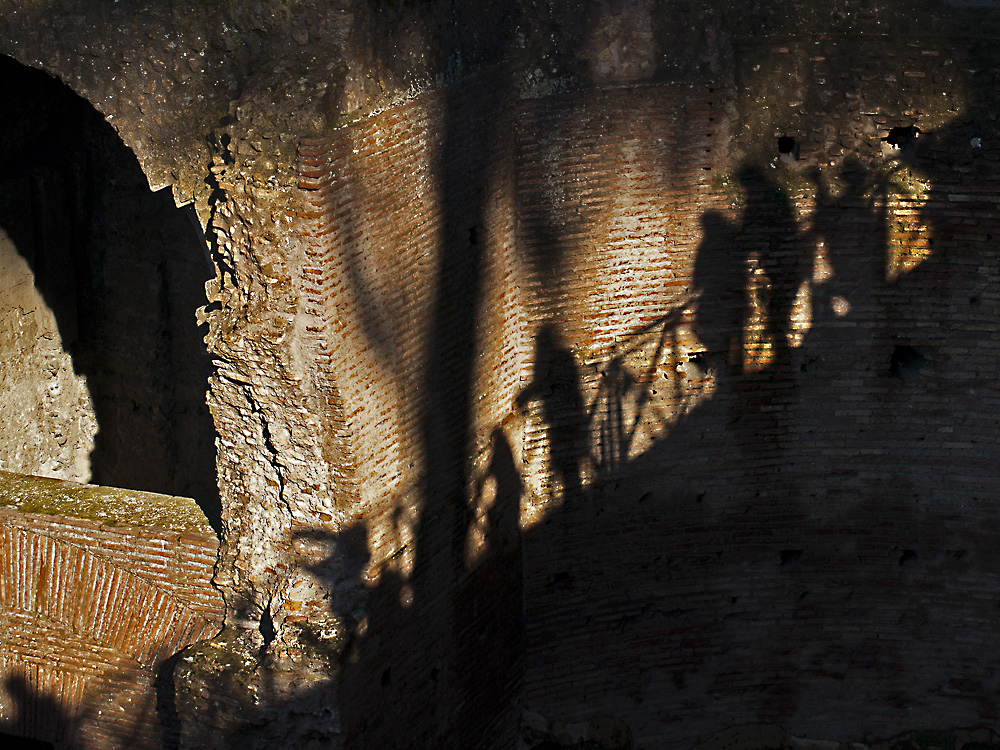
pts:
[104, 278]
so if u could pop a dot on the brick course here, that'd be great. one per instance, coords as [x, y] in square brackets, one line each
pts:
[90, 613]
[752, 407]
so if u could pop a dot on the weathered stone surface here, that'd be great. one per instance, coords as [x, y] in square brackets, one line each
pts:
[541, 352]
[109, 506]
[43, 396]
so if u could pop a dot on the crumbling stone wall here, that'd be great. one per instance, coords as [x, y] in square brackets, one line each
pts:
[763, 394]
[54, 412]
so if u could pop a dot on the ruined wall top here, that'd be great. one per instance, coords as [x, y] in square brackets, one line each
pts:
[180, 82]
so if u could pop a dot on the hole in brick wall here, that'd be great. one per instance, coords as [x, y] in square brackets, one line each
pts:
[788, 149]
[906, 362]
[387, 677]
[473, 235]
[901, 137]
[908, 556]
[790, 556]
[697, 366]
[266, 628]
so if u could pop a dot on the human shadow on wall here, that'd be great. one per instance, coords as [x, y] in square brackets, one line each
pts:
[388, 669]
[770, 237]
[719, 281]
[123, 270]
[646, 504]
[431, 630]
[797, 548]
[555, 384]
[36, 721]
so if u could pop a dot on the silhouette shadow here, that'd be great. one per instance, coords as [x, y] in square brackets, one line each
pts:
[794, 519]
[556, 385]
[38, 722]
[773, 556]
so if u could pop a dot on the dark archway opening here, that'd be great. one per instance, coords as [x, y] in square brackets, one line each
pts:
[104, 370]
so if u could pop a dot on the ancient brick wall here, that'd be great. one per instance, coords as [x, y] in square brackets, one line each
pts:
[413, 285]
[729, 353]
[612, 187]
[91, 611]
[770, 502]
[723, 396]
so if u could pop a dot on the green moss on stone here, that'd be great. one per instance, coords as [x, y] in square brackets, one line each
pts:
[110, 506]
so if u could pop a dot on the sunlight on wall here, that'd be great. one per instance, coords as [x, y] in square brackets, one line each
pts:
[758, 348]
[909, 240]
[44, 403]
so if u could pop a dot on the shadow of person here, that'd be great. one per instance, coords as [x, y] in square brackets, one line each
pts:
[778, 264]
[488, 627]
[850, 232]
[374, 663]
[556, 384]
[719, 280]
[34, 711]
[958, 267]
[502, 528]
[608, 419]
[769, 232]
[339, 561]
[852, 228]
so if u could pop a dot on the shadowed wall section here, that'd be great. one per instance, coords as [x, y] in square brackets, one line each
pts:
[413, 287]
[771, 502]
[104, 369]
[746, 402]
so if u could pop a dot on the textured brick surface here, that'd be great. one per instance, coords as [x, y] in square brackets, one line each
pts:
[88, 615]
[413, 284]
[742, 401]
[751, 408]
[772, 502]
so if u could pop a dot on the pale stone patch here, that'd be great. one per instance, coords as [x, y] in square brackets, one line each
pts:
[44, 403]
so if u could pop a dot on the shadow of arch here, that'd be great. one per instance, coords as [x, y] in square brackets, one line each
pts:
[106, 370]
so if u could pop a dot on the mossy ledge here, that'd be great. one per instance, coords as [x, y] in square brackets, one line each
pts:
[110, 506]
